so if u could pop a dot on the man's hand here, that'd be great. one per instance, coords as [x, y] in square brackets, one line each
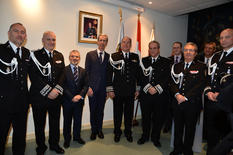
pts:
[152, 91]
[111, 94]
[212, 96]
[136, 94]
[90, 92]
[180, 98]
[53, 94]
[76, 98]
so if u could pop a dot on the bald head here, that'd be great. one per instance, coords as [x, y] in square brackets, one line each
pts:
[226, 38]
[49, 40]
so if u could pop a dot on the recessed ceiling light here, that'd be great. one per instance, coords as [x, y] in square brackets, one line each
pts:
[150, 2]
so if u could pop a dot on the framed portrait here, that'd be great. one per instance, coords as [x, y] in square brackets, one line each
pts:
[90, 26]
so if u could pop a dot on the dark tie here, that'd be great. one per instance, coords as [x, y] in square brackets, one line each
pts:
[186, 66]
[176, 59]
[153, 60]
[50, 58]
[17, 53]
[100, 57]
[224, 54]
[126, 55]
[207, 61]
[76, 75]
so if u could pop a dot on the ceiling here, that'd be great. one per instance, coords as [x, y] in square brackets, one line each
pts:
[172, 7]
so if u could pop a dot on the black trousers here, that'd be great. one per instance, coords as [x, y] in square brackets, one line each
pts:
[123, 104]
[39, 116]
[217, 125]
[185, 118]
[96, 105]
[72, 111]
[152, 108]
[18, 120]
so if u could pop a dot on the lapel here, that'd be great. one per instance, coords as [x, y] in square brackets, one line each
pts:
[70, 73]
[10, 49]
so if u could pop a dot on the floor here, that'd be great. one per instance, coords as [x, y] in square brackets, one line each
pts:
[107, 146]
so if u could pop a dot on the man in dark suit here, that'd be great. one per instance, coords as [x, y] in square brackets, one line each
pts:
[188, 84]
[177, 55]
[154, 95]
[96, 66]
[220, 66]
[14, 90]
[209, 50]
[75, 86]
[45, 93]
[122, 76]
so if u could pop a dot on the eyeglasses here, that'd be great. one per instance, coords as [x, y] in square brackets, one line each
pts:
[189, 50]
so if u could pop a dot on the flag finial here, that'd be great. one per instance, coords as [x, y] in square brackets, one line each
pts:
[120, 13]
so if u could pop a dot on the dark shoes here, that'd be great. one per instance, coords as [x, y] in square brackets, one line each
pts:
[58, 150]
[93, 136]
[80, 140]
[66, 144]
[142, 141]
[157, 143]
[175, 153]
[129, 138]
[117, 138]
[41, 150]
[100, 135]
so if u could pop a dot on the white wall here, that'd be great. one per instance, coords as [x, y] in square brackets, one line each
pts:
[61, 16]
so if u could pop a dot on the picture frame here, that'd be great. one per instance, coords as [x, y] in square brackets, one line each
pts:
[90, 26]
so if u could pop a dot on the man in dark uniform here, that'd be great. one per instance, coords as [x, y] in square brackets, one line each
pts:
[13, 89]
[154, 95]
[75, 84]
[177, 56]
[96, 67]
[188, 84]
[221, 65]
[46, 91]
[122, 76]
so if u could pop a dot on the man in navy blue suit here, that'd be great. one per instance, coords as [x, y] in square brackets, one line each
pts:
[75, 88]
[96, 65]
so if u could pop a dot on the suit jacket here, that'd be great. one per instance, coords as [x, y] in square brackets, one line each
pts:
[69, 85]
[13, 88]
[123, 82]
[159, 77]
[96, 71]
[224, 67]
[193, 82]
[41, 85]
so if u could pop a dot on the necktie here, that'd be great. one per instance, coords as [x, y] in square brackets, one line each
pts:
[207, 61]
[153, 60]
[224, 54]
[176, 60]
[126, 55]
[75, 75]
[186, 66]
[17, 53]
[100, 57]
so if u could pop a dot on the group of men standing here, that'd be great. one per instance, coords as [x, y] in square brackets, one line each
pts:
[123, 77]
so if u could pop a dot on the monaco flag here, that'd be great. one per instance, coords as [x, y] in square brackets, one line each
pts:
[138, 43]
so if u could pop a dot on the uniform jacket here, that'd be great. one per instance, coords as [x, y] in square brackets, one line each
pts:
[41, 85]
[224, 67]
[193, 82]
[159, 77]
[123, 82]
[13, 88]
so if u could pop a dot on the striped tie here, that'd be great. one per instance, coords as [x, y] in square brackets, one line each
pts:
[76, 75]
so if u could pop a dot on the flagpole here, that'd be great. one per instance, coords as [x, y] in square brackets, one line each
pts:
[138, 48]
